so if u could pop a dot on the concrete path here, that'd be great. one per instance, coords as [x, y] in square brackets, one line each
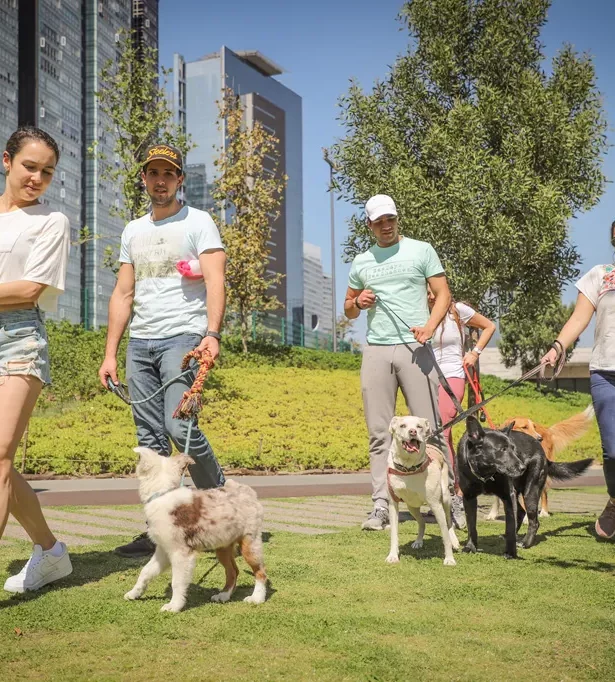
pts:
[114, 491]
[88, 525]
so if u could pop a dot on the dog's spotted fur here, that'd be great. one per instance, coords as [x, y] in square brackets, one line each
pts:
[183, 521]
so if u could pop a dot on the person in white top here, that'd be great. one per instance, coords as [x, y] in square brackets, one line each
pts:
[34, 248]
[448, 344]
[597, 295]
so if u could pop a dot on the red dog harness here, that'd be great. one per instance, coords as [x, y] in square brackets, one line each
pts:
[431, 456]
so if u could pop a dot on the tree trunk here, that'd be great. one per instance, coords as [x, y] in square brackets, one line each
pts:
[244, 329]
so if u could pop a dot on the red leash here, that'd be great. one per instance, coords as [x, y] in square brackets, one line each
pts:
[478, 392]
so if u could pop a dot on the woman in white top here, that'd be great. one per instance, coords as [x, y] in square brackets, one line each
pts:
[597, 295]
[34, 246]
[448, 344]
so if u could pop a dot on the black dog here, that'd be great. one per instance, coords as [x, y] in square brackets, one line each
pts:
[506, 463]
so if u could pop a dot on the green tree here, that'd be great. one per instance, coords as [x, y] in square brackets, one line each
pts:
[135, 113]
[487, 152]
[525, 340]
[249, 189]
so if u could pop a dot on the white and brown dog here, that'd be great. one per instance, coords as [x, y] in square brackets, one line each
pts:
[182, 521]
[418, 474]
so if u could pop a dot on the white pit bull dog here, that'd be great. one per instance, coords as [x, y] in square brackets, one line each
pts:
[418, 474]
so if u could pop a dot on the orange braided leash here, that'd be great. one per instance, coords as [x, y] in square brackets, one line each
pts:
[192, 401]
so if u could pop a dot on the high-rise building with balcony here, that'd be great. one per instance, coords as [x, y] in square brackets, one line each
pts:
[252, 76]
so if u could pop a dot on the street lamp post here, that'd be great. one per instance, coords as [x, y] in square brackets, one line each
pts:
[333, 292]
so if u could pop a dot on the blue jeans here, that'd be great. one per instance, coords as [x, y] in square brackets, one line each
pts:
[149, 364]
[602, 386]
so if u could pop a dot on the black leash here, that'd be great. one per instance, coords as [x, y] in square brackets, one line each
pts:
[443, 380]
[463, 414]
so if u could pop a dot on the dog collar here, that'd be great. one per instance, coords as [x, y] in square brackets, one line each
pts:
[401, 470]
[480, 478]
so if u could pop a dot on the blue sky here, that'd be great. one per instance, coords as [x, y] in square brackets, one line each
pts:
[322, 44]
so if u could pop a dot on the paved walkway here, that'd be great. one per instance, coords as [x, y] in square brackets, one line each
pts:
[315, 515]
[114, 491]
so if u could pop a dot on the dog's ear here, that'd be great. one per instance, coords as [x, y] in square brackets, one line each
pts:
[475, 430]
[426, 427]
[183, 462]
[393, 425]
[147, 457]
[508, 428]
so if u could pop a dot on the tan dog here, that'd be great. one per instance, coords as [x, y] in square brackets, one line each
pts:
[182, 521]
[553, 439]
[418, 474]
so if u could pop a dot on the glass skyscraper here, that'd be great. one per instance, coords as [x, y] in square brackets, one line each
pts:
[51, 55]
[279, 109]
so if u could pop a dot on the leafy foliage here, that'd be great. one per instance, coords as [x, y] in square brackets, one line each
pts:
[525, 340]
[486, 154]
[249, 188]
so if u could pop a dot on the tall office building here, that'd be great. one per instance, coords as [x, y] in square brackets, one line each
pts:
[279, 109]
[145, 22]
[318, 304]
[51, 55]
[8, 72]
[103, 23]
[50, 96]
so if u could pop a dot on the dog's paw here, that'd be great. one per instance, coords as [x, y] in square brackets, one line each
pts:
[221, 597]
[469, 548]
[132, 595]
[510, 556]
[450, 562]
[417, 544]
[172, 608]
[255, 599]
[544, 514]
[392, 559]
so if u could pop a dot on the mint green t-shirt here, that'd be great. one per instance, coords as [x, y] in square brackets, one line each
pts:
[396, 274]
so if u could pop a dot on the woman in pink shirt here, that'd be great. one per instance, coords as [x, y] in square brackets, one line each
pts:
[448, 344]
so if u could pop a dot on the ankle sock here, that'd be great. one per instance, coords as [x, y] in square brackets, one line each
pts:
[56, 550]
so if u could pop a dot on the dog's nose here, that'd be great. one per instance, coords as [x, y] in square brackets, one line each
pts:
[539, 438]
[412, 432]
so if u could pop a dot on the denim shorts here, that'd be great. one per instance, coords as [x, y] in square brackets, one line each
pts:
[24, 348]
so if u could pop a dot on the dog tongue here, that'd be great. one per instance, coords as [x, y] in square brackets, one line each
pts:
[411, 446]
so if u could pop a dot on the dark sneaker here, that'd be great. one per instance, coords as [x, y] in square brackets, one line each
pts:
[139, 547]
[458, 512]
[605, 525]
[378, 519]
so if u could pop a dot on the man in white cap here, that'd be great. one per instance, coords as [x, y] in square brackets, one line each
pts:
[395, 271]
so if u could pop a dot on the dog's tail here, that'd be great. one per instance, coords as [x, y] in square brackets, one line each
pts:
[567, 431]
[563, 471]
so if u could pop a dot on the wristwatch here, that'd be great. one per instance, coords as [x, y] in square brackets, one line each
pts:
[215, 335]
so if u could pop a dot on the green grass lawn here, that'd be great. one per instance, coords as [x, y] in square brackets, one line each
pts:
[335, 611]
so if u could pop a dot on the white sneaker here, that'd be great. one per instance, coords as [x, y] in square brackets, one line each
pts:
[40, 569]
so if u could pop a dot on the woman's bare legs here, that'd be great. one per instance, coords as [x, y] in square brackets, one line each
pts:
[18, 395]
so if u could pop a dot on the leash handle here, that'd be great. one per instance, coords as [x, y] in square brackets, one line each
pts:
[474, 382]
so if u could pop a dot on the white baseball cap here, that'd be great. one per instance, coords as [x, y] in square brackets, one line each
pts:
[380, 205]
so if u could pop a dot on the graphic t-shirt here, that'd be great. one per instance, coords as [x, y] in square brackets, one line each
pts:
[598, 285]
[397, 275]
[34, 246]
[166, 303]
[447, 342]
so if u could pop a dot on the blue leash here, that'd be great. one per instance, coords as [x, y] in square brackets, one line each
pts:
[121, 391]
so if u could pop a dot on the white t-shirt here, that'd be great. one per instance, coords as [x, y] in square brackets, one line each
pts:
[166, 303]
[598, 285]
[34, 246]
[447, 342]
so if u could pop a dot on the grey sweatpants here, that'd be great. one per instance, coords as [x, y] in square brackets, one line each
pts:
[384, 369]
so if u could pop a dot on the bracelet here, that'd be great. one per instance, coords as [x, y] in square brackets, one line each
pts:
[478, 351]
[356, 302]
[213, 334]
[557, 347]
